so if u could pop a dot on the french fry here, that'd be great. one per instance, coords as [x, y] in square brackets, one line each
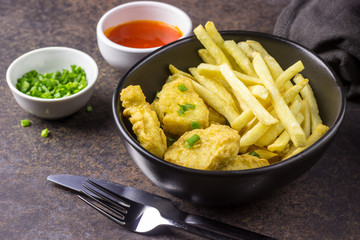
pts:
[272, 64]
[214, 33]
[243, 149]
[275, 130]
[294, 91]
[284, 138]
[288, 74]
[266, 154]
[215, 102]
[174, 77]
[169, 78]
[245, 47]
[214, 50]
[240, 57]
[215, 87]
[242, 120]
[211, 70]
[175, 70]
[243, 94]
[318, 132]
[218, 39]
[270, 135]
[257, 47]
[251, 136]
[306, 124]
[206, 56]
[308, 95]
[294, 129]
[246, 79]
[276, 71]
[259, 91]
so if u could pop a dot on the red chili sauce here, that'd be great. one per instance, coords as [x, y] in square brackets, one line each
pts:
[143, 34]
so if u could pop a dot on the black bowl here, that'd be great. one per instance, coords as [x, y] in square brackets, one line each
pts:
[229, 187]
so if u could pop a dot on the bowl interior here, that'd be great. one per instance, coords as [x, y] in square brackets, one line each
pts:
[152, 72]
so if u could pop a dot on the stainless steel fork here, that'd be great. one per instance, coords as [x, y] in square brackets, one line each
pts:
[141, 218]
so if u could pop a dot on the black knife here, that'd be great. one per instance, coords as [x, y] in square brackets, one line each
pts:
[164, 205]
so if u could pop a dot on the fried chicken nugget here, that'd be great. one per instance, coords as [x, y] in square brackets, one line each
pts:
[178, 106]
[246, 161]
[146, 125]
[218, 145]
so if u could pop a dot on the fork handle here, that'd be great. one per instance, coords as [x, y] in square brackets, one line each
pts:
[223, 229]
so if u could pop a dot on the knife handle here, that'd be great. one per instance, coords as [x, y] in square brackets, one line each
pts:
[223, 229]
[199, 231]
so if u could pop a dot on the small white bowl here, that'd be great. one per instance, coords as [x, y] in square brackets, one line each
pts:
[122, 57]
[49, 60]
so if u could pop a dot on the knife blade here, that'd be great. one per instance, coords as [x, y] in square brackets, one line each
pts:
[164, 205]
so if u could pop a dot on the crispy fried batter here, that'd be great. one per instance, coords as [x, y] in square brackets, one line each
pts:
[146, 125]
[218, 145]
[167, 107]
[246, 161]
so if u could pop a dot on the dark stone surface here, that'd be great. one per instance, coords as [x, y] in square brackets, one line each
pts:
[322, 204]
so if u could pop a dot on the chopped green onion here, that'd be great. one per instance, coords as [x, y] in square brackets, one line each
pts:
[45, 133]
[182, 110]
[182, 88]
[25, 123]
[185, 107]
[53, 85]
[192, 140]
[89, 108]
[189, 105]
[253, 153]
[195, 125]
[170, 141]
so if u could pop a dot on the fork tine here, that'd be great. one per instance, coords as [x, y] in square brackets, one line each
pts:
[121, 211]
[122, 200]
[102, 211]
[104, 197]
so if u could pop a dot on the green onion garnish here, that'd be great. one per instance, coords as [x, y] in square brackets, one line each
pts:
[195, 125]
[192, 140]
[253, 153]
[182, 88]
[89, 108]
[45, 133]
[53, 85]
[170, 141]
[189, 105]
[185, 107]
[182, 110]
[25, 123]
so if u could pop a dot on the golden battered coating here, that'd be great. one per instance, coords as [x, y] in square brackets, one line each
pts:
[215, 117]
[246, 161]
[218, 145]
[146, 125]
[169, 101]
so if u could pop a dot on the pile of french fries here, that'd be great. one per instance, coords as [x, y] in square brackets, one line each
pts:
[274, 110]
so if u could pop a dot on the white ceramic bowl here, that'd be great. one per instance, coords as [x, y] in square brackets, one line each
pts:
[122, 57]
[48, 60]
